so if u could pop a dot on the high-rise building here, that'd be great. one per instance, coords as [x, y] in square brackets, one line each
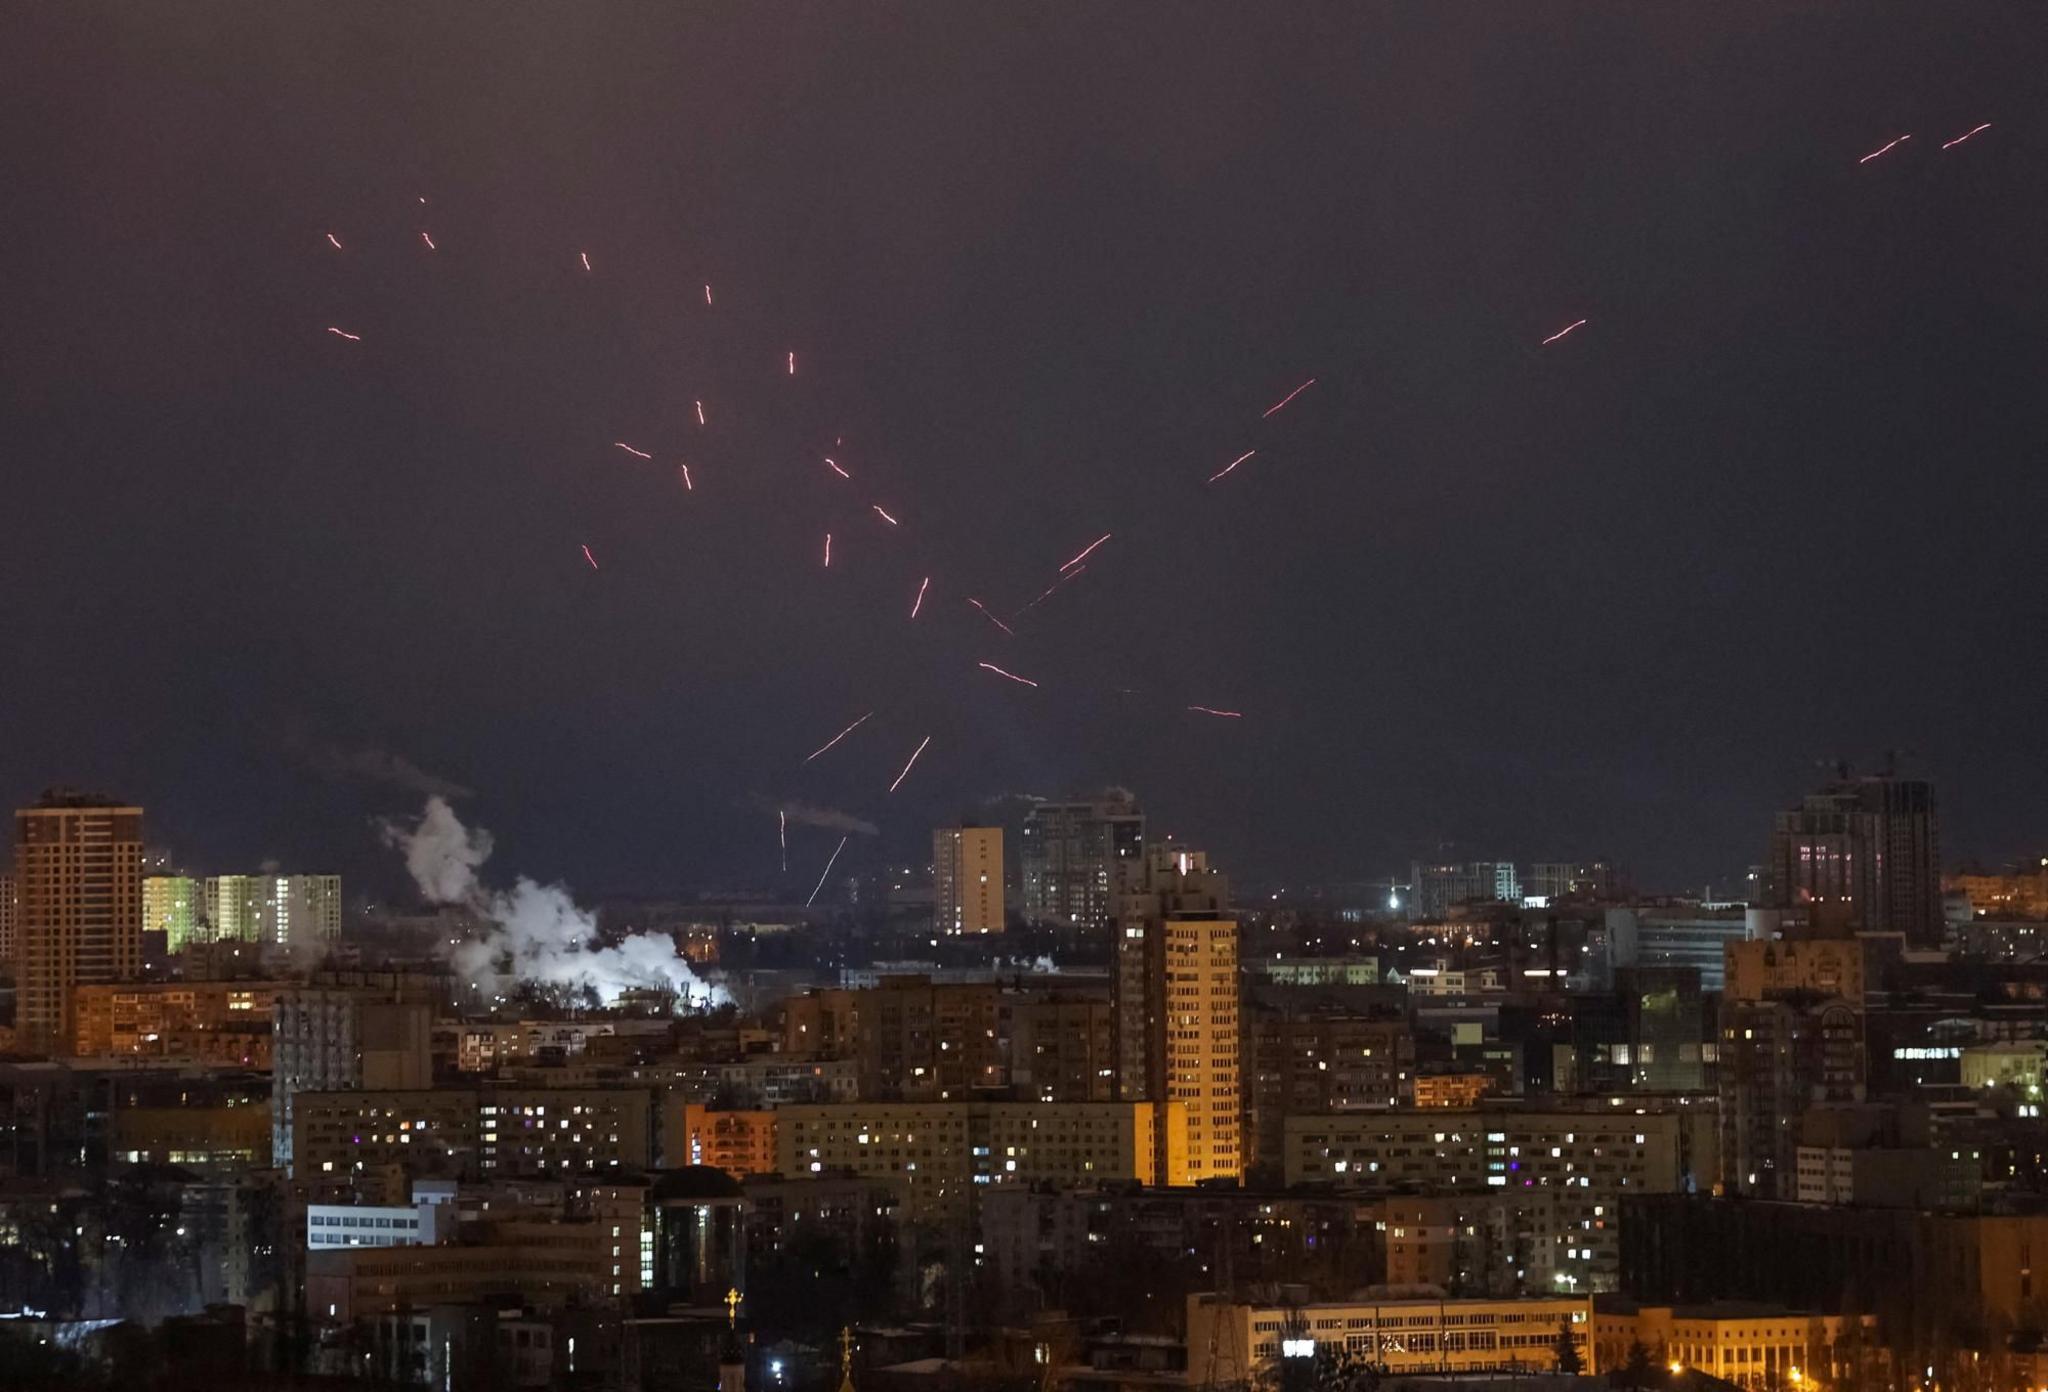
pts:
[917, 1041]
[1872, 844]
[1778, 1057]
[1323, 1059]
[78, 869]
[326, 1039]
[10, 915]
[967, 880]
[1063, 1049]
[299, 910]
[171, 906]
[1079, 856]
[279, 910]
[233, 905]
[1435, 888]
[1175, 997]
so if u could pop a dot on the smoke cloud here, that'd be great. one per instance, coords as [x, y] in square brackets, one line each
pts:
[536, 933]
[368, 764]
[804, 814]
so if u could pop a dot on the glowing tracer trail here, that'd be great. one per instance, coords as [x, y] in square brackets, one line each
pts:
[991, 667]
[1289, 397]
[344, 333]
[833, 465]
[1966, 135]
[1575, 324]
[590, 558]
[1885, 149]
[828, 871]
[1232, 465]
[1211, 710]
[335, 241]
[636, 453]
[883, 513]
[836, 738]
[907, 767]
[1087, 550]
[922, 585]
[991, 617]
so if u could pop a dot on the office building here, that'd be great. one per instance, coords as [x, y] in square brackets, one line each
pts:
[1924, 1275]
[1552, 881]
[939, 1152]
[78, 870]
[967, 880]
[1750, 1345]
[171, 906]
[1175, 999]
[429, 1219]
[1649, 937]
[1591, 1154]
[1871, 845]
[1079, 856]
[1232, 1344]
[1434, 889]
[328, 1038]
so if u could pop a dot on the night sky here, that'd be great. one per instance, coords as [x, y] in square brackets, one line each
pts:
[1778, 502]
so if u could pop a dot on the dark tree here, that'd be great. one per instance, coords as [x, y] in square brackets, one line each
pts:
[1637, 1371]
[1567, 1350]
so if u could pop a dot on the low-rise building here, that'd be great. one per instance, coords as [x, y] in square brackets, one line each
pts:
[1240, 1343]
[226, 1023]
[1749, 1344]
[1591, 1154]
[938, 1151]
[488, 1132]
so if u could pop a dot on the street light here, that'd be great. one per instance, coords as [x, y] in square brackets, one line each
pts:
[1676, 1367]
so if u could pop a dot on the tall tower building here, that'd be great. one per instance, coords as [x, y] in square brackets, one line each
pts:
[1872, 843]
[10, 915]
[233, 905]
[967, 880]
[298, 910]
[1079, 857]
[1175, 1005]
[171, 906]
[78, 870]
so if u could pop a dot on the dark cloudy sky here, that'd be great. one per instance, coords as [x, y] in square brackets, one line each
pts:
[1043, 266]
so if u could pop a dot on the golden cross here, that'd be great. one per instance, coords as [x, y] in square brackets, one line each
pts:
[732, 1307]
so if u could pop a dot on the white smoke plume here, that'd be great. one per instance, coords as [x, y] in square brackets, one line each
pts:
[536, 933]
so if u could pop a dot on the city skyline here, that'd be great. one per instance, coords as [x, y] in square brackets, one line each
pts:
[1470, 583]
